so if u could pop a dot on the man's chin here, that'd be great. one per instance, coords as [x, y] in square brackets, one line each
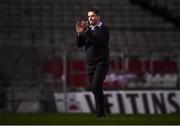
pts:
[92, 23]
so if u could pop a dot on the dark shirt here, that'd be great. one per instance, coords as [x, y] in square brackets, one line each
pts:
[96, 43]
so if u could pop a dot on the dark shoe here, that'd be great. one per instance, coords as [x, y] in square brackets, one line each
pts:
[100, 115]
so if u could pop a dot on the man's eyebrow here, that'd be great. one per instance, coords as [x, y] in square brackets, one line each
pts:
[91, 15]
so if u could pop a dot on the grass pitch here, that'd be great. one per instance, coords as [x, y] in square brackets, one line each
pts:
[88, 119]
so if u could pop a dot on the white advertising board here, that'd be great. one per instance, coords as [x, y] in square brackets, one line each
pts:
[125, 102]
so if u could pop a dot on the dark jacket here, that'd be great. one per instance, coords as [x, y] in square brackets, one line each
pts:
[96, 43]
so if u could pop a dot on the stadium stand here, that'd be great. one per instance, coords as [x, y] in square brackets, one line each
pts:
[37, 38]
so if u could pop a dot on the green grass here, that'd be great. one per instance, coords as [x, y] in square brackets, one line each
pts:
[87, 119]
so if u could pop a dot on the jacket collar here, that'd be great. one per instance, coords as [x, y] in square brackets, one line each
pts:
[93, 26]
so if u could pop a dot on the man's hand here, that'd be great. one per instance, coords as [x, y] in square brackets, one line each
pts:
[81, 26]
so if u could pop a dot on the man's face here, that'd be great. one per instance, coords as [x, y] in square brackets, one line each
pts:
[93, 18]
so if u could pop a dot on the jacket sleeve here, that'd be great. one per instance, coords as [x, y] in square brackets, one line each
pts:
[80, 40]
[99, 38]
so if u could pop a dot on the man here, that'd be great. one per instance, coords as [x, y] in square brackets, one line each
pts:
[94, 36]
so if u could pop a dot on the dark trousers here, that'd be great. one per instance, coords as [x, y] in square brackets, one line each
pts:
[97, 73]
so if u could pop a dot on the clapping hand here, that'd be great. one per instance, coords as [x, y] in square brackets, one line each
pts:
[81, 26]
